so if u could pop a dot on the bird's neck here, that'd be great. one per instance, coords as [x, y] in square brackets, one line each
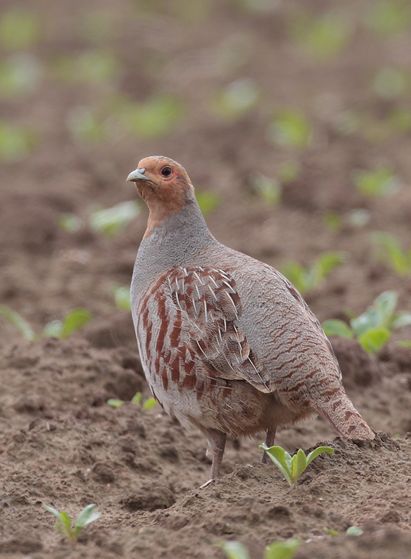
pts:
[180, 239]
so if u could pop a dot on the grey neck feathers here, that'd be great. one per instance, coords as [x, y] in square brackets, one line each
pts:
[178, 241]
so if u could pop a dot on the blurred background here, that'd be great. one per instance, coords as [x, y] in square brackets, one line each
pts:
[292, 118]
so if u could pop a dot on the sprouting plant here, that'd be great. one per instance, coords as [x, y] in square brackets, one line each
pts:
[378, 182]
[236, 99]
[95, 66]
[19, 74]
[307, 278]
[393, 254]
[290, 128]
[208, 201]
[373, 327]
[19, 29]
[112, 220]
[122, 297]
[292, 467]
[389, 17]
[87, 125]
[73, 321]
[268, 189]
[71, 528]
[18, 322]
[391, 82]
[16, 142]
[276, 550]
[322, 37]
[153, 118]
[137, 400]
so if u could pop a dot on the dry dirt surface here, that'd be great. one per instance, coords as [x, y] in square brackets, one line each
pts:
[60, 443]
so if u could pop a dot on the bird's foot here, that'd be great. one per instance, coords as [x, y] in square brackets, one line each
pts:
[207, 483]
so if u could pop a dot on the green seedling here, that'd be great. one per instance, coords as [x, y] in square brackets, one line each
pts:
[306, 279]
[290, 128]
[389, 17]
[137, 400]
[19, 75]
[154, 118]
[71, 528]
[19, 29]
[18, 322]
[292, 467]
[268, 189]
[379, 182]
[122, 298]
[391, 82]
[72, 322]
[110, 221]
[86, 125]
[89, 67]
[208, 201]
[354, 531]
[373, 327]
[392, 253]
[276, 550]
[70, 223]
[16, 142]
[236, 99]
[321, 37]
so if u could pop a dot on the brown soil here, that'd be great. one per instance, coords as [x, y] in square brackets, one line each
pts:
[60, 443]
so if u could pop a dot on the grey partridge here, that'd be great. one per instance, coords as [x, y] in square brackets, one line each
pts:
[226, 342]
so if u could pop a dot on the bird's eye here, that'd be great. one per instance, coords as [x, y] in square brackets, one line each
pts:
[166, 171]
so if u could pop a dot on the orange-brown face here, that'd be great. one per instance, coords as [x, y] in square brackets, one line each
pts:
[163, 184]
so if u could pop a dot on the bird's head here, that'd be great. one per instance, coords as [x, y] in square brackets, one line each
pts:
[162, 181]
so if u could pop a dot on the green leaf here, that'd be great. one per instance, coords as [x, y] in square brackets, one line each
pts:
[19, 29]
[86, 126]
[389, 17]
[281, 459]
[354, 531]
[391, 82]
[268, 189]
[122, 298]
[152, 119]
[324, 265]
[115, 403]
[282, 550]
[317, 452]
[18, 322]
[208, 201]
[386, 304]
[374, 339]
[237, 98]
[89, 67]
[88, 515]
[19, 75]
[290, 128]
[298, 464]
[137, 399]
[65, 526]
[16, 142]
[52, 510]
[378, 182]
[324, 36]
[112, 220]
[149, 404]
[235, 550]
[73, 321]
[335, 327]
[401, 320]
[392, 252]
[70, 222]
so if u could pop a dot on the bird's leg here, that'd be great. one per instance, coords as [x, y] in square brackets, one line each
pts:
[269, 441]
[216, 445]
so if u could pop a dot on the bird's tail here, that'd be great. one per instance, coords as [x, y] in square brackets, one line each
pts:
[343, 416]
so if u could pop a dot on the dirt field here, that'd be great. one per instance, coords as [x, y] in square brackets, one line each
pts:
[60, 443]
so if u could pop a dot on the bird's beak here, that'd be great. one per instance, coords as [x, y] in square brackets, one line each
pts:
[137, 175]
